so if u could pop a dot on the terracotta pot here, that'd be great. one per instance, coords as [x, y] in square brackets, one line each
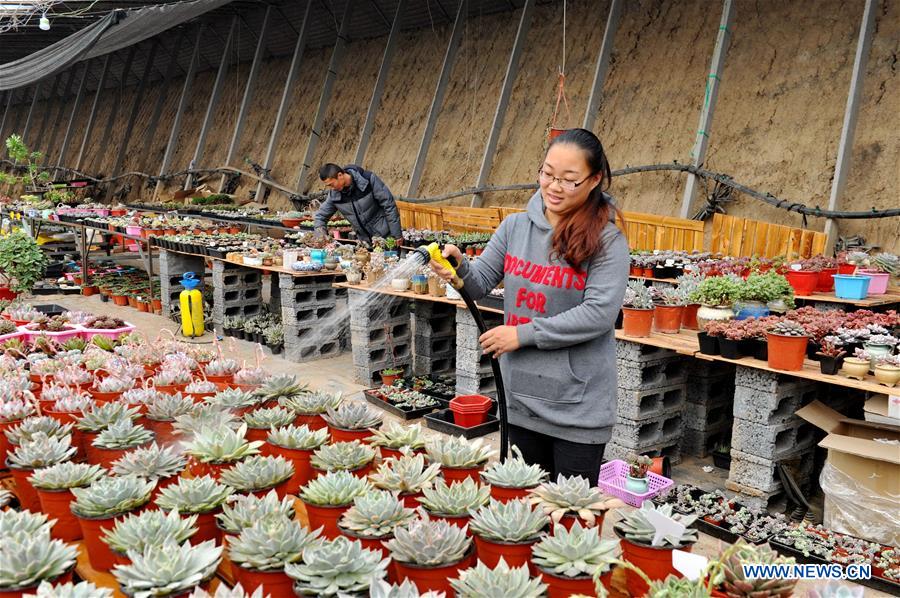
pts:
[667, 318]
[458, 474]
[99, 554]
[689, 317]
[389, 379]
[504, 494]
[120, 300]
[434, 578]
[274, 583]
[786, 352]
[164, 431]
[655, 562]
[637, 323]
[515, 554]
[325, 517]
[88, 291]
[225, 379]
[342, 435]
[28, 496]
[803, 281]
[206, 527]
[303, 471]
[55, 503]
[563, 587]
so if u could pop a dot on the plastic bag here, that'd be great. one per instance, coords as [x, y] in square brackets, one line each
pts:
[854, 510]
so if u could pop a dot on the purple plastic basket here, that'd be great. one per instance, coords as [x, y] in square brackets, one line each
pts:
[612, 481]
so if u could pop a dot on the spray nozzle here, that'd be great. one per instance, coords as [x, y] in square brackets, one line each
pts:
[433, 252]
[189, 281]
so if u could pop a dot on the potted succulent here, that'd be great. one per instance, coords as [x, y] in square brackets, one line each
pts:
[53, 485]
[880, 345]
[162, 410]
[200, 497]
[459, 458]
[98, 417]
[787, 345]
[408, 475]
[309, 407]
[642, 548]
[393, 437]
[222, 370]
[204, 416]
[850, 261]
[571, 498]
[22, 263]
[804, 277]
[669, 309]
[513, 478]
[136, 532]
[390, 375]
[831, 355]
[355, 457]
[716, 296]
[758, 291]
[241, 511]
[291, 219]
[887, 370]
[99, 504]
[637, 310]
[638, 466]
[297, 444]
[26, 430]
[28, 559]
[220, 447]
[258, 475]
[84, 589]
[430, 553]
[675, 586]
[373, 518]
[170, 569]
[328, 496]
[338, 567]
[502, 580]
[39, 452]
[275, 338]
[507, 531]
[161, 464]
[454, 502]
[569, 559]
[727, 572]
[883, 267]
[12, 411]
[261, 421]
[262, 551]
[116, 440]
[351, 420]
[236, 400]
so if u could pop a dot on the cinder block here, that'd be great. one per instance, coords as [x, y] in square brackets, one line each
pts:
[289, 282]
[672, 450]
[398, 330]
[304, 353]
[760, 475]
[775, 406]
[484, 385]
[772, 441]
[383, 355]
[699, 443]
[703, 418]
[710, 391]
[635, 375]
[639, 434]
[471, 362]
[640, 352]
[424, 366]
[700, 368]
[427, 346]
[371, 376]
[637, 405]
[433, 309]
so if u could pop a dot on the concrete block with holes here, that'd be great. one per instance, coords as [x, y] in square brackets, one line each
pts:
[473, 367]
[642, 434]
[773, 441]
[757, 476]
[670, 449]
[774, 406]
[657, 373]
[639, 405]
[172, 267]
[641, 353]
[237, 291]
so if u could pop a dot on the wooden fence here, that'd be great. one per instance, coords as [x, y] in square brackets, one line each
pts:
[743, 237]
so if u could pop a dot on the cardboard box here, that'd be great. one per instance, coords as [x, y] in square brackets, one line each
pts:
[877, 410]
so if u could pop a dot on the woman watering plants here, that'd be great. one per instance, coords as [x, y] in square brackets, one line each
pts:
[564, 266]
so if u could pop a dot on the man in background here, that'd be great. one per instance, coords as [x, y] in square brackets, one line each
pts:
[362, 199]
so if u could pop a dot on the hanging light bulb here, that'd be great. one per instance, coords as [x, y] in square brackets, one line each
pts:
[44, 23]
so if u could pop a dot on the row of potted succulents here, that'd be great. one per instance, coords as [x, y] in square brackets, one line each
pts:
[265, 329]
[60, 328]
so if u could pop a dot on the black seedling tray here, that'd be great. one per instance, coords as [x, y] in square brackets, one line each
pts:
[490, 301]
[50, 309]
[374, 398]
[442, 421]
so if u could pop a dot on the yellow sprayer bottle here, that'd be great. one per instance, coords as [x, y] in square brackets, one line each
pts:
[191, 300]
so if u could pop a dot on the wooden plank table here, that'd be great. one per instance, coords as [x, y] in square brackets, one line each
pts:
[411, 295]
[278, 269]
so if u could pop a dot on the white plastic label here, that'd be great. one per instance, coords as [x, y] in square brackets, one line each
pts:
[688, 564]
[894, 406]
[664, 526]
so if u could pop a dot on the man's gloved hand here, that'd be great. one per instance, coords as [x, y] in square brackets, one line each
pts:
[320, 233]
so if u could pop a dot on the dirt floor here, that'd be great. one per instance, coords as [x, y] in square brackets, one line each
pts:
[336, 375]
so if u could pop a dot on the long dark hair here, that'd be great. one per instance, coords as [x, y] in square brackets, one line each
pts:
[577, 236]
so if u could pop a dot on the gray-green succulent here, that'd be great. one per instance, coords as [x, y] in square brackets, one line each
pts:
[342, 456]
[280, 387]
[572, 495]
[269, 418]
[123, 434]
[382, 589]
[637, 527]
[334, 489]
[233, 398]
[152, 462]
[98, 417]
[26, 559]
[66, 475]
[30, 426]
[41, 451]
[335, 568]
[312, 403]
[169, 407]
[409, 474]
[515, 472]
[194, 495]
[257, 473]
[481, 581]
[168, 569]
[111, 496]
[242, 511]
[352, 415]
[150, 528]
[512, 521]
[457, 499]
[678, 587]
[222, 445]
[376, 514]
[574, 553]
[271, 543]
[395, 435]
[458, 452]
[223, 591]
[429, 542]
[84, 589]
[22, 522]
[298, 437]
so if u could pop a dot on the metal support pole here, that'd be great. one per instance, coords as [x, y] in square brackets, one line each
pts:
[337, 55]
[48, 103]
[9, 98]
[120, 95]
[34, 99]
[287, 92]
[213, 102]
[845, 149]
[698, 154]
[135, 107]
[375, 102]
[609, 35]
[438, 99]
[163, 93]
[179, 112]
[51, 144]
[249, 89]
[512, 69]
[93, 114]
[79, 97]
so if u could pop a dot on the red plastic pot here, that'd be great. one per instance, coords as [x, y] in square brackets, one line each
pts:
[214, 470]
[6, 294]
[457, 520]
[99, 554]
[4, 443]
[655, 562]
[303, 471]
[164, 431]
[515, 554]
[637, 323]
[459, 474]
[32, 590]
[342, 435]
[313, 421]
[568, 521]
[389, 379]
[28, 496]
[279, 488]
[369, 543]
[325, 517]
[803, 281]
[254, 434]
[389, 453]
[55, 503]
[504, 494]
[689, 317]
[360, 472]
[411, 499]
[470, 410]
[846, 269]
[274, 583]
[786, 352]
[104, 397]
[825, 283]
[225, 379]
[647, 272]
[562, 587]
[435, 579]
[163, 483]
[206, 527]
[667, 318]
[106, 457]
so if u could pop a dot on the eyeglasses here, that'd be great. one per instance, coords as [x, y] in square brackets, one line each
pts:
[567, 185]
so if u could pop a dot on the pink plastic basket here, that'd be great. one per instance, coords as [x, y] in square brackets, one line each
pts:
[612, 481]
[111, 333]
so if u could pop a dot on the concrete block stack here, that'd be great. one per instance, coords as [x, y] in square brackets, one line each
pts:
[651, 393]
[473, 369]
[708, 412]
[237, 291]
[380, 335]
[434, 338]
[172, 267]
[314, 316]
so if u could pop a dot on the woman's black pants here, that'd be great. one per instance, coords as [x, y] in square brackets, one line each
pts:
[558, 456]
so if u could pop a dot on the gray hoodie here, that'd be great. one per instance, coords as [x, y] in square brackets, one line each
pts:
[562, 381]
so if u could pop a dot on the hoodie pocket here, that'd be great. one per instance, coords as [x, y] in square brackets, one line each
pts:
[544, 376]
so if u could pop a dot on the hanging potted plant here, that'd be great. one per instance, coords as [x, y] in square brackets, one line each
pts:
[161, 464]
[502, 580]
[328, 496]
[41, 451]
[642, 548]
[637, 310]
[430, 553]
[831, 355]
[339, 567]
[638, 466]
[569, 558]
[454, 502]
[53, 485]
[407, 475]
[116, 440]
[22, 263]
[393, 437]
[459, 458]
[507, 531]
[351, 420]
[32, 558]
[136, 532]
[217, 448]
[262, 551]
[258, 475]
[571, 498]
[669, 310]
[263, 420]
[309, 407]
[355, 457]
[513, 478]
[169, 569]
[787, 346]
[716, 296]
[373, 518]
[202, 498]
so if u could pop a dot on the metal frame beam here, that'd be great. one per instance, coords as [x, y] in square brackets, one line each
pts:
[51, 144]
[150, 132]
[9, 98]
[48, 108]
[34, 98]
[120, 95]
[337, 55]
[249, 89]
[383, 70]
[179, 112]
[512, 69]
[287, 92]
[600, 71]
[93, 114]
[438, 99]
[713, 80]
[135, 107]
[79, 97]
[848, 131]
[214, 98]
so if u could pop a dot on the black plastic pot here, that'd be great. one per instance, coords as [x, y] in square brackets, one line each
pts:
[830, 365]
[760, 349]
[277, 349]
[618, 324]
[228, 331]
[812, 350]
[721, 460]
[104, 298]
[239, 333]
[709, 345]
[730, 349]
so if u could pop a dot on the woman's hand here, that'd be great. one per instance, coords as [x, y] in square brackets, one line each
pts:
[452, 253]
[500, 340]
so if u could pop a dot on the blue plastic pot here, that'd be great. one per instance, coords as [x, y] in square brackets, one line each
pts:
[848, 286]
[318, 255]
[752, 311]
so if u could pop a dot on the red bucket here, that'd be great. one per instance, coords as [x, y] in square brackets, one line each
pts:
[470, 410]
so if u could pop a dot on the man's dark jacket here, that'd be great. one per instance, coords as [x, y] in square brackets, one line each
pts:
[366, 203]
